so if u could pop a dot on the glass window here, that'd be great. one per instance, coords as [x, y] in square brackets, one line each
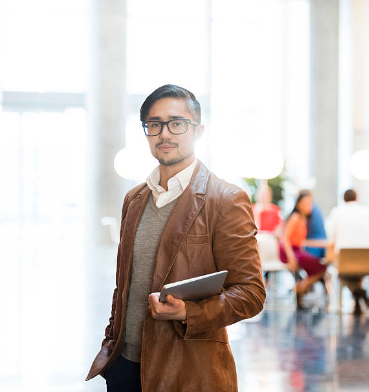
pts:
[44, 155]
[168, 9]
[43, 46]
[246, 60]
[167, 42]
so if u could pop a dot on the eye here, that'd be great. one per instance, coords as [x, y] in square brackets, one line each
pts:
[154, 124]
[178, 124]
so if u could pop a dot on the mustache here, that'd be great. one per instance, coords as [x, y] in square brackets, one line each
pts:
[166, 143]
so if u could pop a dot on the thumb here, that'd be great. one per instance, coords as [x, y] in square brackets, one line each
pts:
[170, 299]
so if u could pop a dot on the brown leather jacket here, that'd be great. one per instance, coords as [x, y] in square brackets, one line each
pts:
[211, 228]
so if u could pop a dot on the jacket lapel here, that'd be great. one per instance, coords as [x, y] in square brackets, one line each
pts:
[179, 222]
[132, 219]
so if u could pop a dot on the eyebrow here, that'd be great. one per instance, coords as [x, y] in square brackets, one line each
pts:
[156, 118]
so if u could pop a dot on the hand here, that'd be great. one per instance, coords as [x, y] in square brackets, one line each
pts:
[292, 262]
[172, 309]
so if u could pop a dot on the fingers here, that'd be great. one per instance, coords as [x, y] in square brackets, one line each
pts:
[172, 309]
[153, 302]
[154, 297]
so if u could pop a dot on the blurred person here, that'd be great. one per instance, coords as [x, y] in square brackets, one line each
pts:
[267, 215]
[268, 220]
[292, 246]
[182, 223]
[316, 230]
[349, 225]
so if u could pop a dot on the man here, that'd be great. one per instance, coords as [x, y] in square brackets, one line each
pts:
[350, 229]
[182, 223]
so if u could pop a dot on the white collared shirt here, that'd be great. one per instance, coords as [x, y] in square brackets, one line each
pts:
[176, 185]
[349, 226]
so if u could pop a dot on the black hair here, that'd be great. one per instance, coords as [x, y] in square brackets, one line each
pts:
[303, 193]
[350, 195]
[172, 91]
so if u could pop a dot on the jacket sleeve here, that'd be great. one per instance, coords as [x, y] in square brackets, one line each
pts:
[234, 249]
[110, 326]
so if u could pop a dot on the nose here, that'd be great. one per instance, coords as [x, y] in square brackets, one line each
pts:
[165, 134]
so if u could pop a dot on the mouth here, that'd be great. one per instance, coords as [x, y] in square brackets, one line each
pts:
[166, 147]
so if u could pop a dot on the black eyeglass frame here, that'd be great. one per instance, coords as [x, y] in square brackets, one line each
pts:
[162, 123]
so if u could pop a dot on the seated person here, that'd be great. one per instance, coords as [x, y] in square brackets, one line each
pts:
[267, 215]
[316, 230]
[350, 229]
[293, 240]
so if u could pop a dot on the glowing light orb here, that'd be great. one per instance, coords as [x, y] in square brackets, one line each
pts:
[134, 165]
[261, 163]
[359, 165]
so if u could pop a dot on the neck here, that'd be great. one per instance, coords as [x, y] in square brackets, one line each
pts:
[167, 172]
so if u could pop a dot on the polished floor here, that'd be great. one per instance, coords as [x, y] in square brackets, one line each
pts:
[55, 292]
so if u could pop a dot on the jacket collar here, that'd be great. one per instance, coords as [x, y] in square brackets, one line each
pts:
[199, 180]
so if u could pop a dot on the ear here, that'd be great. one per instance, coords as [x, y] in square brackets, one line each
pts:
[199, 131]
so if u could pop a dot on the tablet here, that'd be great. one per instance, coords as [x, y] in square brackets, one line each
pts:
[195, 289]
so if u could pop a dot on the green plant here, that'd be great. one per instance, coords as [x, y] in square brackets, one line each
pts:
[275, 183]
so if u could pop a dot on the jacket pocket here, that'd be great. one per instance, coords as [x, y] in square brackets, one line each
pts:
[197, 239]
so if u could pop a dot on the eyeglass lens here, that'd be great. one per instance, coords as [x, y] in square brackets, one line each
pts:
[175, 126]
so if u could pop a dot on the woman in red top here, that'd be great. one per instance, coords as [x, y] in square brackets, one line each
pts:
[293, 240]
[267, 215]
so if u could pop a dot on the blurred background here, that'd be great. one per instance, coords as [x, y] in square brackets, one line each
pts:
[284, 88]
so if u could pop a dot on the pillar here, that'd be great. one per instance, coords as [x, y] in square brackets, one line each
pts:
[323, 147]
[106, 114]
[360, 42]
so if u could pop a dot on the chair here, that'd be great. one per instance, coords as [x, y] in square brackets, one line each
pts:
[351, 262]
[113, 225]
[269, 256]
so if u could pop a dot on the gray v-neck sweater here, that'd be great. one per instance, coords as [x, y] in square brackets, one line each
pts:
[147, 239]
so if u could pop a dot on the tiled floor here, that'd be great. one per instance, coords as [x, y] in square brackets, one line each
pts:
[55, 295]
[289, 351]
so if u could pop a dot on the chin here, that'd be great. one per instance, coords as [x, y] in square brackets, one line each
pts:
[170, 161]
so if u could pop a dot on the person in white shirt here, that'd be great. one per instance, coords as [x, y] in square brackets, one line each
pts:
[350, 229]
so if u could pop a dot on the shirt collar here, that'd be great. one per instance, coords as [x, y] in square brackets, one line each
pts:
[182, 178]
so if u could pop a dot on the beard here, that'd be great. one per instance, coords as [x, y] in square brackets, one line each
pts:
[173, 161]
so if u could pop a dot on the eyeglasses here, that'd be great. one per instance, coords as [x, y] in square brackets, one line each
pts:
[176, 127]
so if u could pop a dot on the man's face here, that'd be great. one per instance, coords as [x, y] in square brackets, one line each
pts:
[167, 148]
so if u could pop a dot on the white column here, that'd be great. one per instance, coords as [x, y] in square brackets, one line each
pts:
[360, 35]
[323, 148]
[345, 112]
[106, 113]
